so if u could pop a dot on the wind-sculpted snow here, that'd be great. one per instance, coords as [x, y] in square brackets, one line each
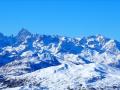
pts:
[51, 62]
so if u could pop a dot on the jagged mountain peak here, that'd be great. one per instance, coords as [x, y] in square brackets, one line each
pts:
[24, 32]
[1, 35]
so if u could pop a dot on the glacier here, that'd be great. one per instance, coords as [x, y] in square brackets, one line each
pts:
[52, 62]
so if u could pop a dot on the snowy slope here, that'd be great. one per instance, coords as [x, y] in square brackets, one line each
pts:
[44, 62]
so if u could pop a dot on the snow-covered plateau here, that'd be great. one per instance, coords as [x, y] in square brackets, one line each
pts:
[51, 62]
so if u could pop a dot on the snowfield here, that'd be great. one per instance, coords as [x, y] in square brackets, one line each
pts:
[44, 62]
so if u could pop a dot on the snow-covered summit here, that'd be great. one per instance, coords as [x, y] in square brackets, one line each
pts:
[52, 62]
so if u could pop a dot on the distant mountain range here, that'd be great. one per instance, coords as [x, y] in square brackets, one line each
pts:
[51, 62]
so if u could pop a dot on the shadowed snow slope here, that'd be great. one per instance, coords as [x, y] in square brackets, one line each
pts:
[48, 62]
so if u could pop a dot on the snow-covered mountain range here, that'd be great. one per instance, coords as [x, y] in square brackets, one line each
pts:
[51, 62]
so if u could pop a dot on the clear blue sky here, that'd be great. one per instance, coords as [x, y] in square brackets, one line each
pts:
[73, 18]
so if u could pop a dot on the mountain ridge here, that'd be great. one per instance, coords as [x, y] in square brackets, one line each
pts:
[52, 62]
